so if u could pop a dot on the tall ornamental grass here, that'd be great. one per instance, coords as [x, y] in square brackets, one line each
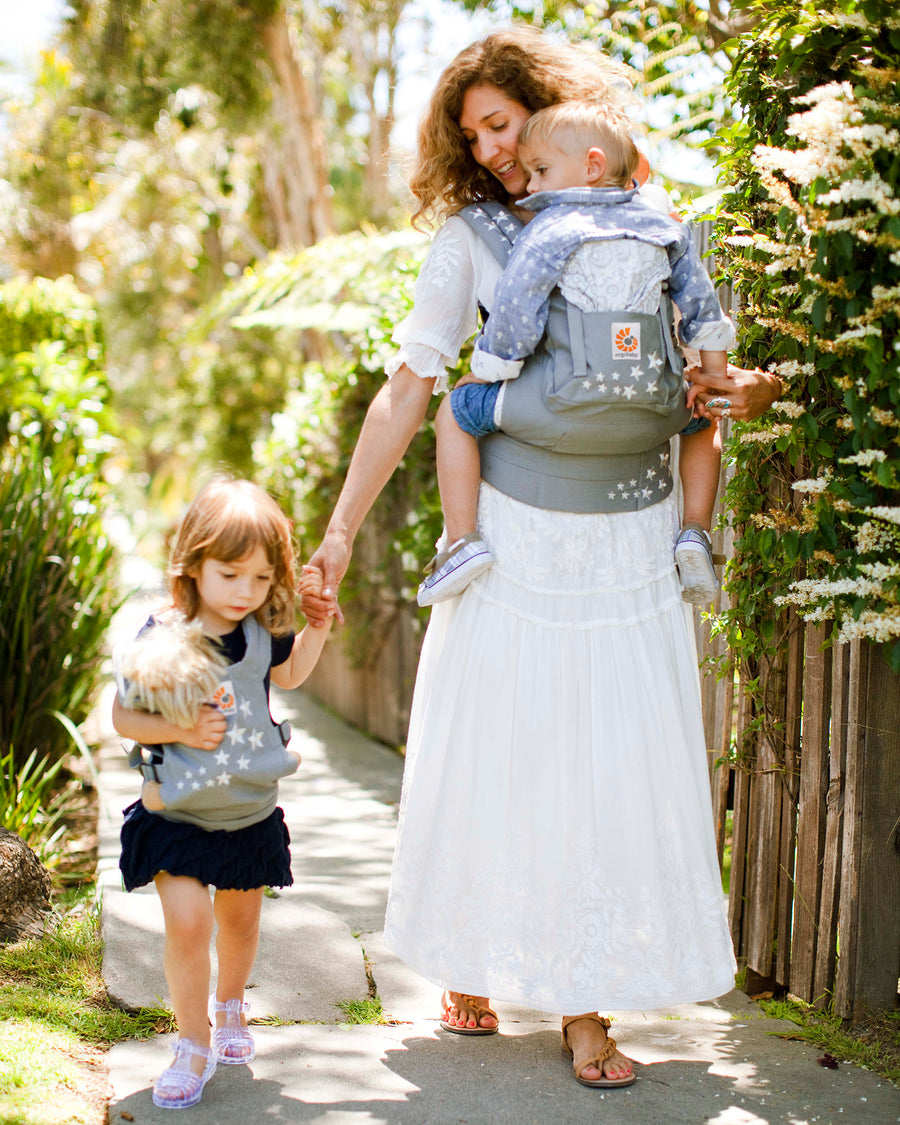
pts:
[57, 574]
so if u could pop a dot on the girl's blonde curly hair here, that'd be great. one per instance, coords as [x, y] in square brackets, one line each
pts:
[530, 67]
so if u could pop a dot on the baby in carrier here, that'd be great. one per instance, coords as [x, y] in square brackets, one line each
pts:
[577, 354]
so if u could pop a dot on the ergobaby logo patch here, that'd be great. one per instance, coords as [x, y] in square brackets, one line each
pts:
[626, 341]
[224, 698]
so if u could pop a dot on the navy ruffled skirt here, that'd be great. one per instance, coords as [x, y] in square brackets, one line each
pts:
[242, 860]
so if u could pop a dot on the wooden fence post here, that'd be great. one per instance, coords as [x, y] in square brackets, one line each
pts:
[811, 831]
[869, 919]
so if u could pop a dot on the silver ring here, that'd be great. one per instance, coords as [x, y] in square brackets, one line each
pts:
[726, 413]
[719, 403]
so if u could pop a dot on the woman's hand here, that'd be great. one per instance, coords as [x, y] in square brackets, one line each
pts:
[738, 394]
[321, 579]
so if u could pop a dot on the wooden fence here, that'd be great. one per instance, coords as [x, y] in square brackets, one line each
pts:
[809, 819]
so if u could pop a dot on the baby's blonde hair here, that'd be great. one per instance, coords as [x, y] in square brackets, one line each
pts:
[226, 521]
[576, 126]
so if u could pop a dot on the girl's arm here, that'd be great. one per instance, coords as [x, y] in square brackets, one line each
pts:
[151, 729]
[308, 645]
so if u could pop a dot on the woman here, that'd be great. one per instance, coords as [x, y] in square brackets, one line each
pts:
[555, 844]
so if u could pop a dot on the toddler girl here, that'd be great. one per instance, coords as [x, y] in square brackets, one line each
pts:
[208, 812]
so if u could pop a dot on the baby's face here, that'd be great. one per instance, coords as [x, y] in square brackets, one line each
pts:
[550, 169]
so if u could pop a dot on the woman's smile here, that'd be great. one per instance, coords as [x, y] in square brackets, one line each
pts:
[490, 122]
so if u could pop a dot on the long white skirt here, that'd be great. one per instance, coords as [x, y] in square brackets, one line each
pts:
[555, 845]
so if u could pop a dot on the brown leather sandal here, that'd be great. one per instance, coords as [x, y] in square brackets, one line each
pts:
[473, 1007]
[584, 1061]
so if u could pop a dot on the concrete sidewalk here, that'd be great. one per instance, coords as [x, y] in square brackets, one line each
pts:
[321, 944]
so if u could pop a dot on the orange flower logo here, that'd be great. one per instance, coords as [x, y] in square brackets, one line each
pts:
[224, 698]
[626, 341]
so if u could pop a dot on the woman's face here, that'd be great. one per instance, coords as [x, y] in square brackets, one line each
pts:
[490, 122]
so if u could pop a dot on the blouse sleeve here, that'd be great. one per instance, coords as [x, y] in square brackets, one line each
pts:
[457, 274]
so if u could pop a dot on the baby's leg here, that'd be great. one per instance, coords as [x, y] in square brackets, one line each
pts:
[458, 425]
[700, 457]
[150, 796]
[458, 471]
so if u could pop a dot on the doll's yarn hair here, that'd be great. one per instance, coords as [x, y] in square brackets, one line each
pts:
[226, 521]
[171, 669]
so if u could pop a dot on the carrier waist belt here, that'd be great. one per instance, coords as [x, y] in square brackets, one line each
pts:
[571, 482]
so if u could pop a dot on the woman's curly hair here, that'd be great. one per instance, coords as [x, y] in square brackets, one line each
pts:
[530, 67]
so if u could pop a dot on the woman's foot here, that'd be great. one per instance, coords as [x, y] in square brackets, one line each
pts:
[586, 1039]
[468, 1015]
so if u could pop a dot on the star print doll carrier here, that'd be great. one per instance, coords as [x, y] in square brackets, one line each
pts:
[586, 424]
[235, 785]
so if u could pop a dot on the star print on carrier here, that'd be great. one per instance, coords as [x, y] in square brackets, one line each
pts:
[246, 766]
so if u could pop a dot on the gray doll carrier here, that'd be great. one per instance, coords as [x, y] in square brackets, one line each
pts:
[586, 425]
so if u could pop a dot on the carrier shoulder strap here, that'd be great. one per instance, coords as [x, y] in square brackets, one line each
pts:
[494, 225]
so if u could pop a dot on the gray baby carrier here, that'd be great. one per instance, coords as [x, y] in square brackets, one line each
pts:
[587, 423]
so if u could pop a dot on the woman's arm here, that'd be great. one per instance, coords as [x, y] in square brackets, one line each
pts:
[391, 422]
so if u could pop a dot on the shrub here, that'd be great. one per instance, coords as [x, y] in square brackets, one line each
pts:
[812, 231]
[57, 578]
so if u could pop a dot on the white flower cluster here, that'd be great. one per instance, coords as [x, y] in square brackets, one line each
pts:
[771, 434]
[790, 409]
[813, 486]
[809, 590]
[873, 537]
[874, 190]
[884, 417]
[872, 626]
[890, 515]
[865, 457]
[791, 368]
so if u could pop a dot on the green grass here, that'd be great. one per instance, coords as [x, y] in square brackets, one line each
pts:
[874, 1044]
[57, 982]
[54, 1015]
[39, 1077]
[364, 1011]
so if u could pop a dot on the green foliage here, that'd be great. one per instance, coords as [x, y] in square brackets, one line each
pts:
[346, 295]
[135, 55]
[56, 575]
[31, 803]
[811, 231]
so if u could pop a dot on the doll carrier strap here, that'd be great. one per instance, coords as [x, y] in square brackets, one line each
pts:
[531, 470]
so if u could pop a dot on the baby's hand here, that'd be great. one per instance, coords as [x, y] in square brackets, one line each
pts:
[208, 731]
[469, 378]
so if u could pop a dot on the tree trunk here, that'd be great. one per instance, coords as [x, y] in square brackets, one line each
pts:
[24, 889]
[295, 165]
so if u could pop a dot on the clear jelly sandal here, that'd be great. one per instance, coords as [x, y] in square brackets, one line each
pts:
[178, 1087]
[233, 1044]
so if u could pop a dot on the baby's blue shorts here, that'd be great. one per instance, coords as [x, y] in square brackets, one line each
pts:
[473, 407]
